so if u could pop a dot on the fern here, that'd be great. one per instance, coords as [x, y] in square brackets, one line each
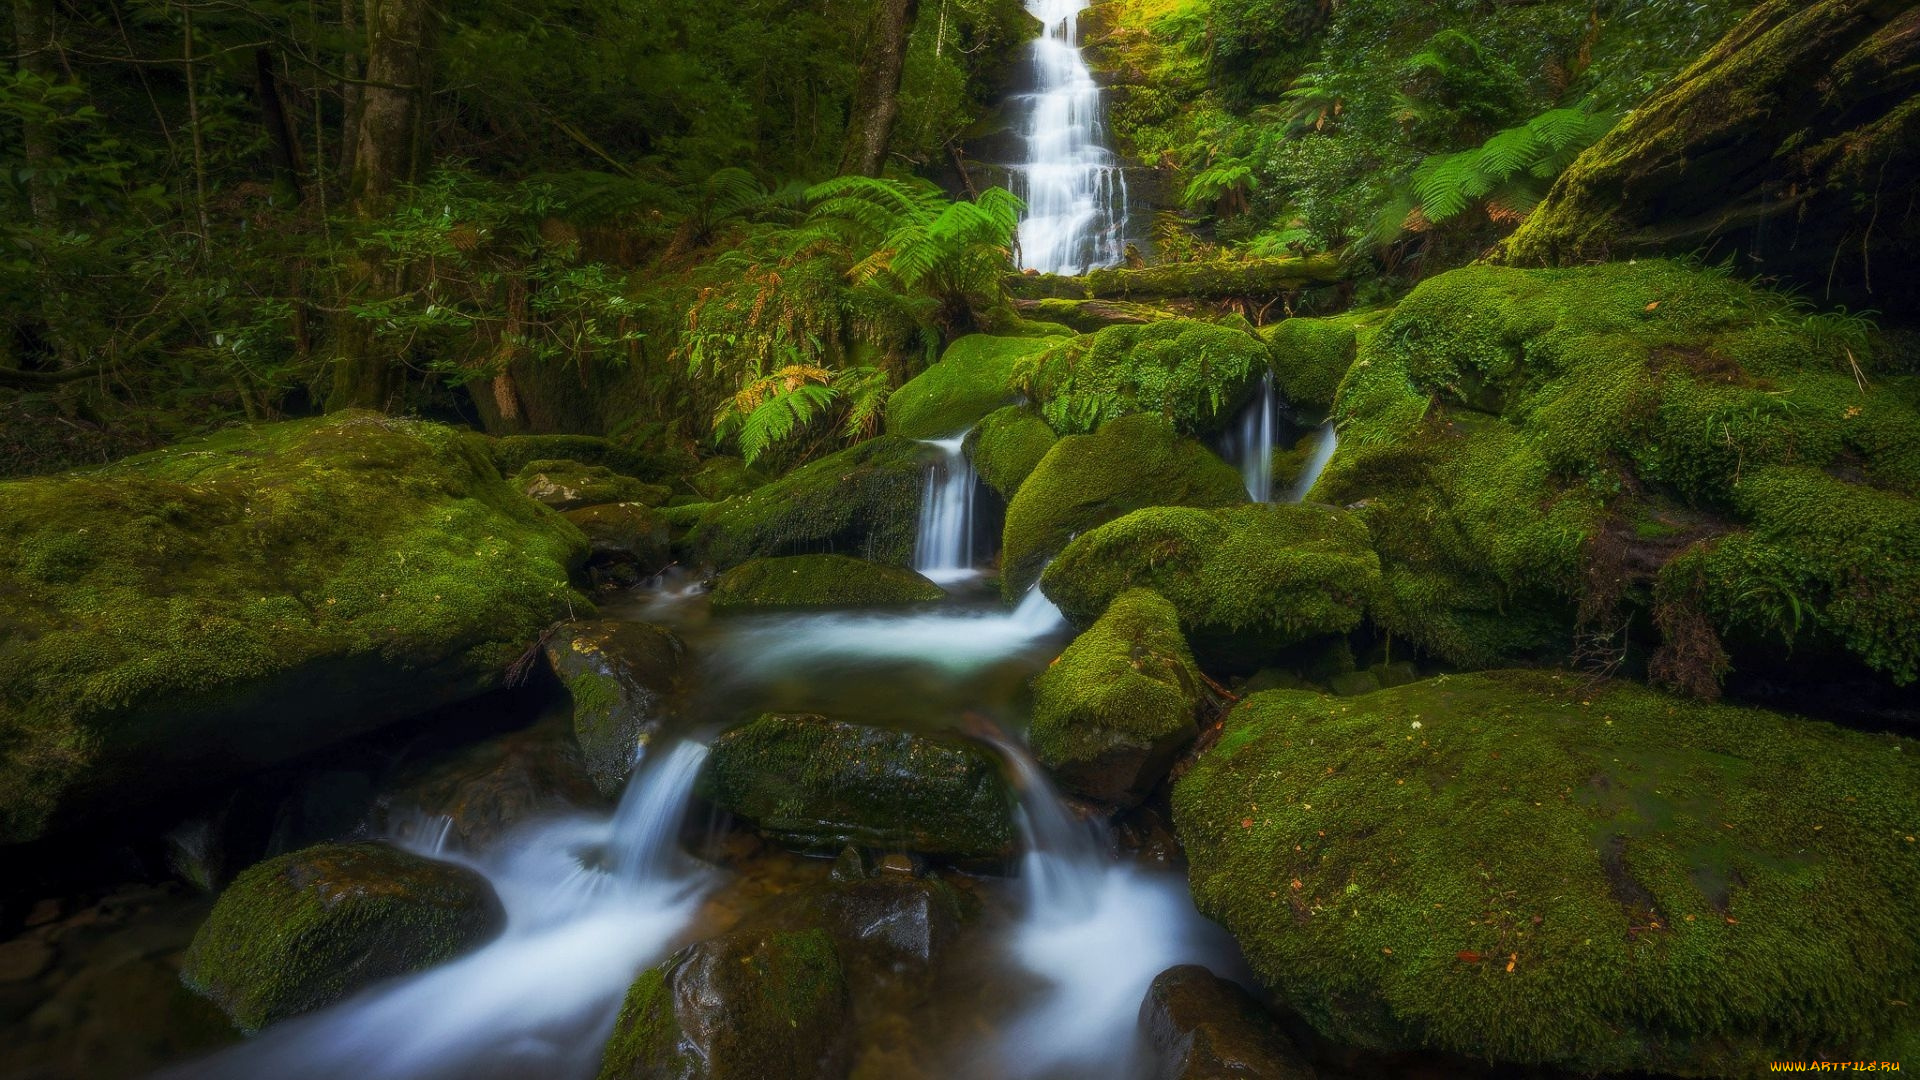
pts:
[1233, 176]
[1510, 170]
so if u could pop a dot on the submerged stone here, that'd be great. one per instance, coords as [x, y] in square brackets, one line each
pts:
[1203, 1027]
[818, 581]
[182, 617]
[820, 784]
[304, 930]
[624, 678]
[1533, 869]
[969, 381]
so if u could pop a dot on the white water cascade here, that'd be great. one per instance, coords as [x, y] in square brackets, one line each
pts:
[943, 550]
[1075, 191]
[1253, 442]
[590, 901]
[1317, 464]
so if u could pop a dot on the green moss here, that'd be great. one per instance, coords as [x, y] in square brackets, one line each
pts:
[1275, 575]
[1530, 868]
[625, 679]
[513, 453]
[818, 581]
[570, 485]
[723, 478]
[1196, 374]
[1309, 358]
[329, 574]
[1113, 710]
[862, 501]
[1088, 480]
[969, 381]
[625, 531]
[821, 784]
[304, 930]
[1007, 445]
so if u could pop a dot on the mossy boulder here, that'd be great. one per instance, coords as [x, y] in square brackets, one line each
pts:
[1309, 357]
[863, 501]
[819, 581]
[1007, 446]
[1110, 714]
[1088, 480]
[724, 477]
[1196, 374]
[657, 463]
[569, 485]
[1251, 579]
[178, 618]
[1530, 868]
[819, 784]
[969, 381]
[1532, 448]
[306, 929]
[625, 681]
[629, 534]
[754, 1004]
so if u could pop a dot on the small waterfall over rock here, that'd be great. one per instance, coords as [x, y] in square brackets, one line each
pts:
[1075, 191]
[1317, 464]
[1254, 441]
[943, 549]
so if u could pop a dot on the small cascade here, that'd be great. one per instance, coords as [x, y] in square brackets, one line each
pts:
[943, 549]
[1254, 440]
[1075, 190]
[1329, 441]
[958, 641]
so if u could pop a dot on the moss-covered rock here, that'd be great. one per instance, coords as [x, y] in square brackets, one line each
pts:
[625, 679]
[304, 930]
[177, 618]
[1529, 868]
[657, 463]
[1088, 480]
[1110, 714]
[724, 477]
[1087, 316]
[818, 581]
[1197, 374]
[1221, 280]
[1007, 445]
[1309, 358]
[751, 1005]
[626, 533]
[969, 381]
[570, 485]
[820, 784]
[862, 501]
[1252, 579]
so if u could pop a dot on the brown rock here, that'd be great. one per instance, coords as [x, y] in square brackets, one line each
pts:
[1205, 1028]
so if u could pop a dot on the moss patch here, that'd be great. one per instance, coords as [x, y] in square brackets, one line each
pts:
[969, 381]
[819, 581]
[1196, 374]
[1007, 446]
[181, 616]
[863, 501]
[1111, 713]
[1525, 868]
[570, 485]
[304, 930]
[1309, 358]
[1088, 480]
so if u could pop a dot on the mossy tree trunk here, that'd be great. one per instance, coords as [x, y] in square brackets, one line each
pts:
[389, 151]
[876, 105]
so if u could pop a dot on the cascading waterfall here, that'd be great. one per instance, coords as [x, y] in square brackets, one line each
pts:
[1254, 441]
[943, 550]
[589, 902]
[1317, 464]
[1075, 190]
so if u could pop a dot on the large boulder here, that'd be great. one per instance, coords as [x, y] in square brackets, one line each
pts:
[1088, 480]
[304, 930]
[863, 501]
[1203, 1027]
[1251, 579]
[1197, 374]
[820, 784]
[625, 680]
[756, 1004]
[818, 581]
[969, 381]
[1785, 147]
[1309, 357]
[176, 619]
[628, 540]
[1110, 714]
[1007, 446]
[1533, 868]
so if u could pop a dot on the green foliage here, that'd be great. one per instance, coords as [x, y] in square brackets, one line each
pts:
[1196, 374]
[1511, 170]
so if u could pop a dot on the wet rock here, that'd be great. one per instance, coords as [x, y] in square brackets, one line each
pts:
[625, 534]
[472, 798]
[24, 958]
[818, 581]
[820, 784]
[569, 485]
[306, 929]
[1203, 1027]
[624, 678]
[969, 381]
[333, 575]
[863, 501]
[751, 1005]
[1110, 714]
[1652, 859]
[889, 924]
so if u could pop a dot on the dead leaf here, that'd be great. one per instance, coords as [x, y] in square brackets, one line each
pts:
[1467, 956]
[1512, 959]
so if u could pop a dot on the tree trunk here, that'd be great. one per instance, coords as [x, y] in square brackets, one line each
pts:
[33, 41]
[389, 144]
[876, 105]
[278, 124]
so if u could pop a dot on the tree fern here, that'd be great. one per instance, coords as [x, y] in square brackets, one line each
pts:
[1510, 170]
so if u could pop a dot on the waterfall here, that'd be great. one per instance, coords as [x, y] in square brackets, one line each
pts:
[1075, 191]
[943, 550]
[1317, 464]
[1254, 441]
[589, 902]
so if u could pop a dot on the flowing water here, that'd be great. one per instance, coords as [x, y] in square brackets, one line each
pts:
[943, 549]
[1327, 442]
[1075, 190]
[1253, 441]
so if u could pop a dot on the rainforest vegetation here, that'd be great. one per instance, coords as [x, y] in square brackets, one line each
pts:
[977, 538]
